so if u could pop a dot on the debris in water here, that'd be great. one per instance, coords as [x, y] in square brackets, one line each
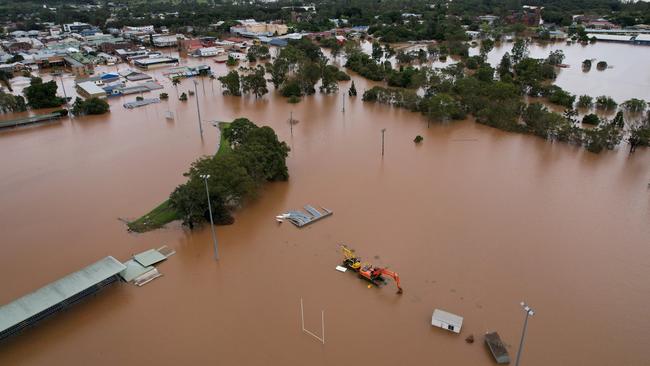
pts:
[470, 339]
[301, 219]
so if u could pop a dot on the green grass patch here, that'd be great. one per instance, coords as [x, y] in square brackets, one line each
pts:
[224, 145]
[164, 213]
[155, 219]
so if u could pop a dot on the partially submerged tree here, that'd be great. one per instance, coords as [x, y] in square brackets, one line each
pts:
[255, 82]
[42, 95]
[257, 156]
[231, 83]
[89, 106]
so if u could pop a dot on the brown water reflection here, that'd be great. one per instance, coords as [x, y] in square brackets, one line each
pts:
[474, 220]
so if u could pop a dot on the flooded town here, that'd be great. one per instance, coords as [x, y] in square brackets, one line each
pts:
[290, 183]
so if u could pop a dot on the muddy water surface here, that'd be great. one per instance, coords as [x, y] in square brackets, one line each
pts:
[473, 219]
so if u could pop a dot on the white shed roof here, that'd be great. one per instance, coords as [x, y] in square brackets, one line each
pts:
[446, 317]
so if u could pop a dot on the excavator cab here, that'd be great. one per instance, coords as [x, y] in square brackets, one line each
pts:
[350, 259]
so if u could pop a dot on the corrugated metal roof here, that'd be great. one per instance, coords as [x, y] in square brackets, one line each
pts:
[29, 305]
[90, 88]
[133, 270]
[610, 37]
[149, 257]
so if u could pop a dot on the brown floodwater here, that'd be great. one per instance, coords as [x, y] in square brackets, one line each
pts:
[474, 220]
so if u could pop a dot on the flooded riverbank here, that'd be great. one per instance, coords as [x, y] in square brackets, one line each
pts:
[474, 220]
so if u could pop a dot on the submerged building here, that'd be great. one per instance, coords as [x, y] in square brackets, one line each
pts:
[58, 295]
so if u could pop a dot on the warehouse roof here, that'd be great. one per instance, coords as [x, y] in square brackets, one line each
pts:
[42, 299]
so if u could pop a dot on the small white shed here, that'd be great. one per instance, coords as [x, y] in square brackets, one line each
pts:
[447, 321]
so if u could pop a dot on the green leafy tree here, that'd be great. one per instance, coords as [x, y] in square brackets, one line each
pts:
[42, 95]
[619, 120]
[255, 82]
[555, 57]
[5, 77]
[635, 105]
[278, 70]
[505, 67]
[557, 95]
[606, 103]
[90, 106]
[329, 80]
[591, 119]
[256, 52]
[175, 82]
[487, 45]
[231, 61]
[291, 89]
[231, 83]
[519, 50]
[353, 90]
[377, 51]
[308, 75]
[11, 103]
[585, 101]
[238, 130]
[257, 156]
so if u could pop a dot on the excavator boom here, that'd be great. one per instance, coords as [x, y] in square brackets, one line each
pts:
[393, 275]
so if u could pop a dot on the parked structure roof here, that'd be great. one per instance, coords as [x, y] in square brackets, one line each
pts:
[42, 299]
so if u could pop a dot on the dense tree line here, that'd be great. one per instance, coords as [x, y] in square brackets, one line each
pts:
[256, 156]
[453, 92]
[440, 20]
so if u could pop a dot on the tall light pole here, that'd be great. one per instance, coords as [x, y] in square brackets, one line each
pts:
[198, 109]
[529, 312]
[64, 93]
[214, 236]
[383, 130]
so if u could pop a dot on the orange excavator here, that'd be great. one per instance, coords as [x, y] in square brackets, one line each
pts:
[374, 275]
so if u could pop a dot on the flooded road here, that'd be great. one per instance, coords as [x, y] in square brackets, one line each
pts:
[474, 220]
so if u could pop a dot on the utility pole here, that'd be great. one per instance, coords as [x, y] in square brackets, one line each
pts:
[383, 130]
[529, 312]
[291, 122]
[198, 109]
[214, 236]
[64, 93]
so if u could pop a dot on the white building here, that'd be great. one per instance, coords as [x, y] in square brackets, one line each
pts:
[447, 321]
[167, 41]
[208, 51]
[138, 30]
[237, 55]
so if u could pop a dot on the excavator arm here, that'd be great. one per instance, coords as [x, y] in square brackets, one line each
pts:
[393, 275]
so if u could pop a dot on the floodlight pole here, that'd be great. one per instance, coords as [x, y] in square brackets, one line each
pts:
[214, 236]
[64, 93]
[198, 109]
[529, 312]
